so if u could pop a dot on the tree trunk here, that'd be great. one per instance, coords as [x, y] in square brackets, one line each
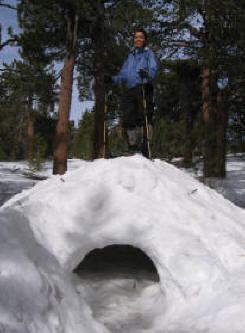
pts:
[222, 119]
[30, 130]
[18, 137]
[187, 161]
[241, 131]
[61, 137]
[209, 92]
[209, 116]
[99, 88]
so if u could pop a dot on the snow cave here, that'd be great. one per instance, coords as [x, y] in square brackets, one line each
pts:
[121, 261]
[192, 239]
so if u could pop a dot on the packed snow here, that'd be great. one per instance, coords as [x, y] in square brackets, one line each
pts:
[193, 235]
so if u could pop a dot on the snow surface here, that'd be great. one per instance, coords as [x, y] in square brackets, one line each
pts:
[194, 236]
[16, 176]
[232, 187]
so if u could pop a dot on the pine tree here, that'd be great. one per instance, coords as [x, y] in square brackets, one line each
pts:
[178, 100]
[24, 86]
[57, 42]
[61, 140]
[206, 30]
[99, 88]
[82, 145]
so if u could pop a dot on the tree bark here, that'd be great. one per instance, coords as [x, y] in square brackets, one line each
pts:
[61, 137]
[30, 130]
[222, 119]
[209, 116]
[187, 160]
[18, 137]
[241, 128]
[209, 93]
[99, 88]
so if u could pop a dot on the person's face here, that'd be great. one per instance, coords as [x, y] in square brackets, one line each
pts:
[139, 39]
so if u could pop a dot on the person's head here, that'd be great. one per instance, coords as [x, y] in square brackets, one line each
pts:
[140, 37]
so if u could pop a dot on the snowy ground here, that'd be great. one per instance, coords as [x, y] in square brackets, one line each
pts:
[14, 178]
[233, 186]
[17, 176]
[194, 237]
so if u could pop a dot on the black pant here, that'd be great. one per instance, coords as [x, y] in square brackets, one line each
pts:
[132, 106]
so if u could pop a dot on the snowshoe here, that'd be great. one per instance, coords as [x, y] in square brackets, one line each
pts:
[130, 152]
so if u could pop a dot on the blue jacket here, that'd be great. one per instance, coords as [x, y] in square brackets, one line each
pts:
[140, 58]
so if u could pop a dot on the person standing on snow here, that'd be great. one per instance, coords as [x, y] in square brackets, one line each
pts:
[140, 67]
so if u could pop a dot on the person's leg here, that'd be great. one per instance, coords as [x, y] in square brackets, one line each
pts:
[132, 138]
[129, 105]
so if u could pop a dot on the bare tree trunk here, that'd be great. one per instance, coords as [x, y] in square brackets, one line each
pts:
[187, 160]
[222, 119]
[18, 136]
[241, 131]
[209, 88]
[61, 137]
[209, 93]
[99, 88]
[30, 130]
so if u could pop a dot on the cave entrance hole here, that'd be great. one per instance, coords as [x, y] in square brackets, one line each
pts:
[117, 261]
[121, 285]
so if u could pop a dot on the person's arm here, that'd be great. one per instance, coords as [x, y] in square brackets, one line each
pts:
[121, 78]
[152, 66]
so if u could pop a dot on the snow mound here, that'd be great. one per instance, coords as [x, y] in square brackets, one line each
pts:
[194, 236]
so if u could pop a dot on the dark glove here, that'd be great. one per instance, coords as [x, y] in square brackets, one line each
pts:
[143, 74]
[107, 79]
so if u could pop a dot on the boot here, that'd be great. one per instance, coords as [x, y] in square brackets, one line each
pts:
[132, 150]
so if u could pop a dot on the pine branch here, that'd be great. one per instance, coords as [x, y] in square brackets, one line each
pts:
[194, 31]
[169, 56]
[114, 4]
[183, 41]
[8, 70]
[201, 12]
[8, 6]
[7, 42]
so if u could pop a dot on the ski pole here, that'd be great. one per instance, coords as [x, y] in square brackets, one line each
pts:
[146, 121]
[108, 96]
[105, 113]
